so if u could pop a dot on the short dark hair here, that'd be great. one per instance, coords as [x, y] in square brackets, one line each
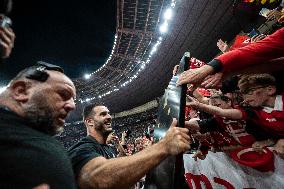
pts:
[88, 109]
[253, 80]
[230, 85]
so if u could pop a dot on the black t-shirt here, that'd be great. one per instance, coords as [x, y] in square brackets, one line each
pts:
[87, 149]
[29, 158]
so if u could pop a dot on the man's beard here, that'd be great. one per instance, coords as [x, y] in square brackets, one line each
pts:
[100, 128]
[39, 113]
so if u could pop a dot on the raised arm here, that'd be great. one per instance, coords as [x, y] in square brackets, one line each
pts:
[271, 47]
[124, 172]
[200, 97]
[214, 110]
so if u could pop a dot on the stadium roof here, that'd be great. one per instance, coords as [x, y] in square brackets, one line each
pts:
[195, 27]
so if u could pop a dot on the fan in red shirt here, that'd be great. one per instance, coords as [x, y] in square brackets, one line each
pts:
[225, 133]
[259, 91]
[265, 110]
[259, 53]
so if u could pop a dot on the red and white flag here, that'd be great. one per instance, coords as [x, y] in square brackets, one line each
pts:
[220, 171]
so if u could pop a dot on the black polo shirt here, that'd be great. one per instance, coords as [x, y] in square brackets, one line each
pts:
[87, 149]
[29, 158]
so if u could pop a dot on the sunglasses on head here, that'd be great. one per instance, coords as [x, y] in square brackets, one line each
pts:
[39, 73]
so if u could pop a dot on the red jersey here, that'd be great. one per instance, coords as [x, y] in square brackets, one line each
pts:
[187, 110]
[240, 41]
[270, 119]
[217, 140]
[226, 132]
[236, 129]
[195, 63]
[269, 48]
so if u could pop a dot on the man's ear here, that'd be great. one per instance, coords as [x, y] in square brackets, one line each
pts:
[19, 91]
[271, 90]
[89, 122]
[229, 103]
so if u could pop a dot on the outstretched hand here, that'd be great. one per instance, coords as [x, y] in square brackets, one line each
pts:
[195, 76]
[199, 155]
[7, 38]
[192, 102]
[176, 140]
[192, 126]
[112, 138]
[213, 81]
[223, 46]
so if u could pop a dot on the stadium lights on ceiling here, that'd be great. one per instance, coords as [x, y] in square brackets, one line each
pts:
[87, 76]
[163, 29]
[109, 58]
[168, 14]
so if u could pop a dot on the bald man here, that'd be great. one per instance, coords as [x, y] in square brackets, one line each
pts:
[32, 108]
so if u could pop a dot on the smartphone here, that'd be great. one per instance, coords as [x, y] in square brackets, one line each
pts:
[264, 11]
[5, 22]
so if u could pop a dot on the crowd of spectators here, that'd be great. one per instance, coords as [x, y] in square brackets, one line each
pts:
[72, 133]
[246, 108]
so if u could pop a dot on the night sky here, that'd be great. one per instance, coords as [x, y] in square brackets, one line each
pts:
[77, 35]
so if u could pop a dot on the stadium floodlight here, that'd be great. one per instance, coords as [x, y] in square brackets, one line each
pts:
[167, 17]
[164, 27]
[154, 49]
[168, 14]
[87, 76]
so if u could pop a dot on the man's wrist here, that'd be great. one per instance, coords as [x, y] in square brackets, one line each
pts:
[216, 66]
[163, 147]
[199, 105]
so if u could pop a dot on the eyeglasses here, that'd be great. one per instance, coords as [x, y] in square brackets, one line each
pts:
[38, 72]
[249, 91]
